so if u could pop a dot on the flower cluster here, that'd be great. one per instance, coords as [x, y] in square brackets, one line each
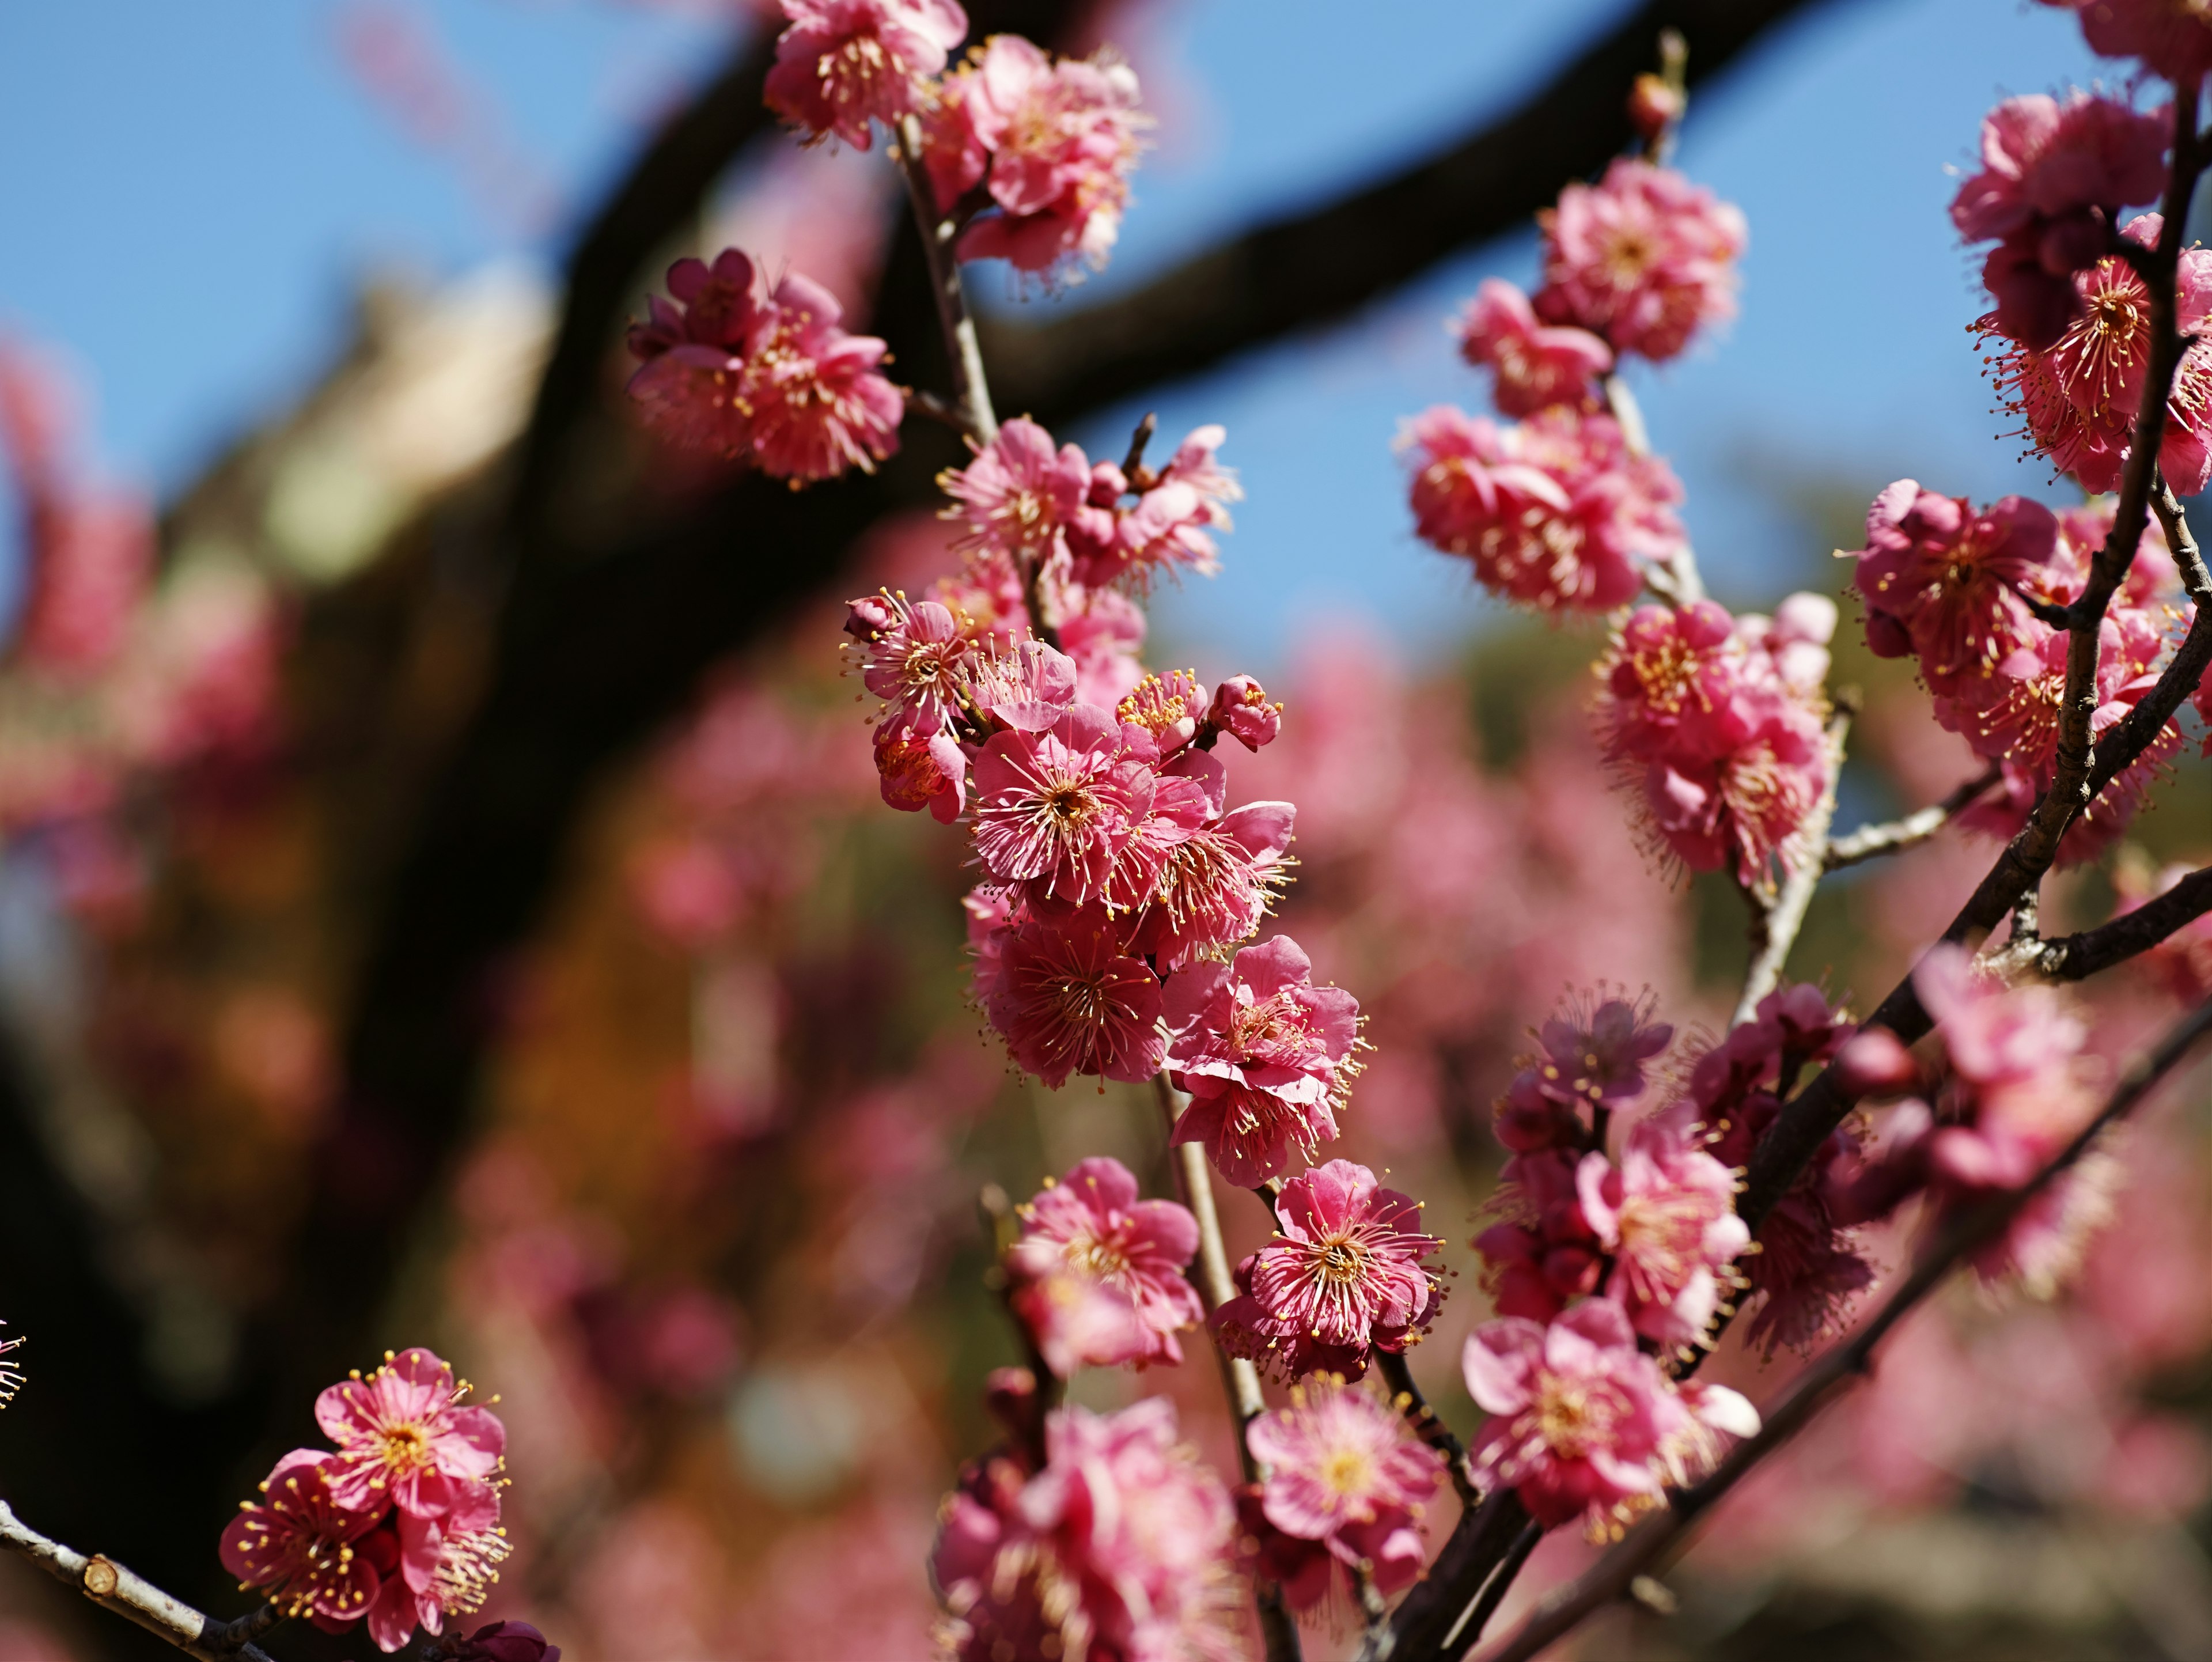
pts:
[1050, 143]
[1121, 1546]
[1719, 723]
[2054, 177]
[399, 1525]
[1958, 589]
[1097, 1274]
[1346, 1486]
[1345, 1275]
[732, 370]
[1643, 259]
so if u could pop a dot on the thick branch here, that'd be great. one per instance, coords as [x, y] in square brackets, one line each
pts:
[1656, 1539]
[133, 1597]
[2073, 957]
[1894, 836]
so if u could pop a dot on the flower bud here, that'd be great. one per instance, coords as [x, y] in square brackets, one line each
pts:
[1874, 1064]
[506, 1642]
[1241, 710]
[1653, 105]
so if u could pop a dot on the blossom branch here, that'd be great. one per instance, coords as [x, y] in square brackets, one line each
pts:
[1658, 1537]
[1774, 928]
[1217, 1287]
[1479, 1556]
[1426, 1426]
[131, 1596]
[1910, 831]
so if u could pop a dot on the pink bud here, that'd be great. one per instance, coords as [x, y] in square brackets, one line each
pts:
[1653, 105]
[1241, 710]
[1875, 1063]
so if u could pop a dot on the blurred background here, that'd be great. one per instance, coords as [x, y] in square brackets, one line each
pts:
[444, 897]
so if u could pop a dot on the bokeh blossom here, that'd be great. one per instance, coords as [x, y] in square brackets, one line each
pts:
[1537, 364]
[1643, 259]
[1097, 1273]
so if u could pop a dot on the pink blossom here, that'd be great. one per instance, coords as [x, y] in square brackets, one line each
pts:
[403, 1440]
[439, 1568]
[1052, 142]
[915, 657]
[1019, 496]
[505, 1641]
[1240, 709]
[1169, 707]
[1057, 808]
[1069, 999]
[1642, 259]
[297, 1544]
[1593, 1051]
[1170, 526]
[1215, 885]
[1098, 1273]
[2080, 398]
[2173, 39]
[919, 770]
[1537, 365]
[1544, 1254]
[843, 63]
[1103, 631]
[1553, 513]
[732, 374]
[2053, 178]
[91, 561]
[1344, 1470]
[1666, 1215]
[1345, 1273]
[1946, 584]
[1121, 1548]
[1265, 1054]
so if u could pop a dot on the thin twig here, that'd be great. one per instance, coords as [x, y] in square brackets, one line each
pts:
[1775, 929]
[1000, 1222]
[1894, 836]
[938, 233]
[1426, 1426]
[1676, 582]
[1216, 1287]
[1655, 1539]
[131, 1596]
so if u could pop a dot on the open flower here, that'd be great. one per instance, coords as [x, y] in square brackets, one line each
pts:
[1098, 1273]
[1665, 1215]
[1346, 1273]
[1265, 1054]
[1069, 999]
[404, 1439]
[842, 63]
[1343, 1470]
[1643, 259]
[1538, 364]
[1057, 808]
[299, 1544]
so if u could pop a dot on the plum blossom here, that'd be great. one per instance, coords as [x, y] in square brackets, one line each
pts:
[1666, 1216]
[916, 657]
[2054, 177]
[1537, 364]
[1121, 1546]
[1344, 1471]
[729, 373]
[1240, 709]
[1543, 1254]
[1591, 1056]
[1345, 1272]
[1554, 513]
[2079, 400]
[1069, 999]
[1643, 259]
[443, 1567]
[298, 1544]
[843, 63]
[2173, 39]
[1215, 885]
[1265, 1056]
[1946, 583]
[1057, 808]
[1052, 142]
[404, 1440]
[1098, 1273]
[1584, 1426]
[1169, 707]
[1018, 495]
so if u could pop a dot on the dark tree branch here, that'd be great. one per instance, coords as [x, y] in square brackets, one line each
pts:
[2073, 957]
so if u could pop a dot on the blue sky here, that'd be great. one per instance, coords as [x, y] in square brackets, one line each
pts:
[193, 193]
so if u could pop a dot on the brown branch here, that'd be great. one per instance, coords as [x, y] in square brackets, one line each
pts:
[1894, 836]
[1658, 1537]
[2073, 957]
[2180, 678]
[941, 233]
[131, 1596]
[1442, 1605]
[1426, 1426]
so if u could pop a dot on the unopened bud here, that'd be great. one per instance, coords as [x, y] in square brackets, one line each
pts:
[1874, 1064]
[1653, 106]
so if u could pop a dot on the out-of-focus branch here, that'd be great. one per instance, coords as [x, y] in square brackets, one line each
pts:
[1774, 929]
[1895, 835]
[1309, 268]
[133, 1597]
[1441, 1609]
[1653, 1541]
[1426, 1426]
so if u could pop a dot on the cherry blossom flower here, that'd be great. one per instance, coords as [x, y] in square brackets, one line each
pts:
[1665, 1215]
[1344, 1470]
[1121, 1546]
[2173, 40]
[2054, 177]
[442, 1567]
[1553, 513]
[1537, 364]
[842, 63]
[1345, 1273]
[1098, 1273]
[732, 374]
[1169, 707]
[298, 1544]
[1052, 142]
[1584, 1424]
[1265, 1056]
[1069, 999]
[1057, 808]
[1643, 259]
[403, 1440]
[916, 657]
[2079, 399]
